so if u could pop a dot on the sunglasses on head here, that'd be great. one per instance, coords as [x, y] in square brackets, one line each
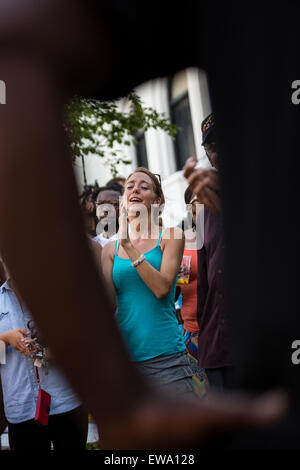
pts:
[158, 177]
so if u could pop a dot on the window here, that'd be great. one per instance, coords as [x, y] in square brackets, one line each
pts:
[181, 116]
[141, 151]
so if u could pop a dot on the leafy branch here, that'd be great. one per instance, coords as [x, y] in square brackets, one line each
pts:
[99, 127]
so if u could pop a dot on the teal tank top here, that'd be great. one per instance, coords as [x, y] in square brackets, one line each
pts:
[148, 324]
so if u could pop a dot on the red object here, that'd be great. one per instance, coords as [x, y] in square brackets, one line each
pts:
[43, 404]
[189, 296]
[43, 408]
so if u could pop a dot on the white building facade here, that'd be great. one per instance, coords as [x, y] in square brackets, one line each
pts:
[185, 99]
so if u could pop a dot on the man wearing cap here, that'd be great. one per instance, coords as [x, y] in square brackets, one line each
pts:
[214, 339]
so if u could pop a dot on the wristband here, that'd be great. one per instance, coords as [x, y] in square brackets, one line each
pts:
[138, 261]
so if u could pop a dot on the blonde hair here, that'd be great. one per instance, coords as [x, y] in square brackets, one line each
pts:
[156, 187]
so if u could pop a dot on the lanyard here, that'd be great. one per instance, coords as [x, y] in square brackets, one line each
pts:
[37, 377]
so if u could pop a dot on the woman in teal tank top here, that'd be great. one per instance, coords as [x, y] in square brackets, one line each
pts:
[141, 269]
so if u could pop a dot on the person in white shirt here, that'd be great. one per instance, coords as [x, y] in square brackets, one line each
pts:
[107, 211]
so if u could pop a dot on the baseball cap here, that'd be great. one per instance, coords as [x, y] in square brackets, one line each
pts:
[208, 127]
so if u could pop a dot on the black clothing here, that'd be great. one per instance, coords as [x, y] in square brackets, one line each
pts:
[214, 339]
[67, 431]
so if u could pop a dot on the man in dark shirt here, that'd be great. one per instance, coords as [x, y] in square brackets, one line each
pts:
[214, 339]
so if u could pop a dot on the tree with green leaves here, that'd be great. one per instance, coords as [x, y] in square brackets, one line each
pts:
[98, 128]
